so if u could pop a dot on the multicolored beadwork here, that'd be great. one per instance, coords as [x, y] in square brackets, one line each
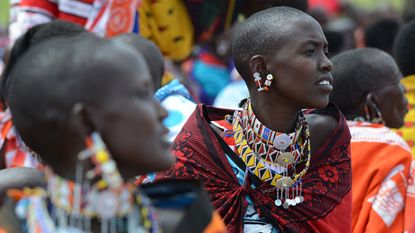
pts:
[119, 206]
[274, 161]
[258, 81]
[268, 82]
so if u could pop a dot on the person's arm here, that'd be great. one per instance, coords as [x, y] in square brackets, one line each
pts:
[20, 177]
[25, 14]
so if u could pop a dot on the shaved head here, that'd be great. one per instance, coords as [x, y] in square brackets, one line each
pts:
[151, 53]
[261, 34]
[83, 69]
[358, 72]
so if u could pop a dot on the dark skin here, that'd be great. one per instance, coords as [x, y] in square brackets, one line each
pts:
[126, 115]
[389, 99]
[297, 65]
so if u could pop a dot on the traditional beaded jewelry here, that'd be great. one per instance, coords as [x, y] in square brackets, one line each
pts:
[275, 162]
[119, 206]
[268, 82]
[105, 166]
[258, 82]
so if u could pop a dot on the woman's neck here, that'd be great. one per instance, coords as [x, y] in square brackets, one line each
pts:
[277, 116]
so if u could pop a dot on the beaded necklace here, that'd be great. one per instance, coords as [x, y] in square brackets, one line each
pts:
[274, 157]
[125, 211]
[118, 205]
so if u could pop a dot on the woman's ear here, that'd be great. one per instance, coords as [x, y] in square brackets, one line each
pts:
[257, 64]
[81, 119]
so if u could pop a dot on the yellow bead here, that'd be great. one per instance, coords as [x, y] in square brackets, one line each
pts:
[102, 184]
[102, 156]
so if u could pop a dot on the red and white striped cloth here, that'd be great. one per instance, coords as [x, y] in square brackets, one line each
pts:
[12, 147]
[103, 17]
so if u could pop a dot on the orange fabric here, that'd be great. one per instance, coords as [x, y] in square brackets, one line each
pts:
[121, 18]
[381, 162]
[2, 230]
[410, 201]
[216, 225]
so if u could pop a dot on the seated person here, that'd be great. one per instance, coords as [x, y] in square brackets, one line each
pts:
[93, 144]
[367, 90]
[272, 167]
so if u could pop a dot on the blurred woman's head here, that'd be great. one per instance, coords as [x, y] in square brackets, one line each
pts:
[366, 83]
[83, 85]
[32, 37]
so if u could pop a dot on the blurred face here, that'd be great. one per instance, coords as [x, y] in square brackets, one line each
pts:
[392, 102]
[300, 66]
[130, 123]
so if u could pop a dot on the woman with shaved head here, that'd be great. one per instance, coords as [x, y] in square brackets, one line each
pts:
[273, 166]
[369, 93]
[87, 110]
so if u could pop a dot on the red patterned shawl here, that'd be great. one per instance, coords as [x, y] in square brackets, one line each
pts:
[326, 185]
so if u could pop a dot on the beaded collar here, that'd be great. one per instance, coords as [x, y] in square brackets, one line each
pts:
[72, 207]
[278, 158]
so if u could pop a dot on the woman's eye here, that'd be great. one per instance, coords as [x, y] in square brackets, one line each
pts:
[143, 94]
[310, 52]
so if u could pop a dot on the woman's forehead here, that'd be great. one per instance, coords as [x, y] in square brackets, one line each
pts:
[303, 32]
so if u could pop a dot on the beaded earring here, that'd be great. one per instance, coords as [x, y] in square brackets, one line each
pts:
[105, 166]
[258, 83]
[268, 82]
[376, 117]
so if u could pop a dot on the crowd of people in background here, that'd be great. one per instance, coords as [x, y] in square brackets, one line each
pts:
[241, 116]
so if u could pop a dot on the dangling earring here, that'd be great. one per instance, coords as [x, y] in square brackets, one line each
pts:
[105, 166]
[368, 118]
[268, 82]
[258, 82]
[376, 116]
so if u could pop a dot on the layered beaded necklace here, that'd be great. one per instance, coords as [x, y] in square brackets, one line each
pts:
[277, 158]
[126, 210]
[118, 205]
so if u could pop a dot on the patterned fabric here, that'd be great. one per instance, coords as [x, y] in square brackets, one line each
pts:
[383, 187]
[408, 131]
[167, 23]
[12, 147]
[211, 17]
[27, 13]
[327, 198]
[252, 221]
[172, 88]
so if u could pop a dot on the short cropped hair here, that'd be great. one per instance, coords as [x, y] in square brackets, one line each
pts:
[150, 51]
[67, 71]
[34, 36]
[358, 72]
[260, 34]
